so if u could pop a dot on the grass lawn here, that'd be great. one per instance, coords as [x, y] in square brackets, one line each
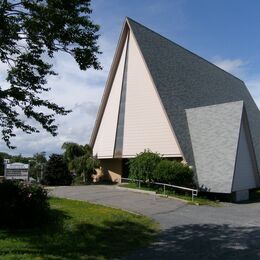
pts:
[171, 193]
[79, 230]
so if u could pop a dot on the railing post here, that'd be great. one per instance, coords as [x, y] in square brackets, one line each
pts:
[164, 190]
[192, 196]
[139, 184]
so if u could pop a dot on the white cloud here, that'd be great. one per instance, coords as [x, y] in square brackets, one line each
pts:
[3, 75]
[238, 68]
[233, 66]
[74, 89]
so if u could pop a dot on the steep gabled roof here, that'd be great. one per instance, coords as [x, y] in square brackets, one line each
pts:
[185, 80]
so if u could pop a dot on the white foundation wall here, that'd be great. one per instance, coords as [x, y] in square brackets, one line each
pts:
[244, 177]
[145, 124]
[105, 140]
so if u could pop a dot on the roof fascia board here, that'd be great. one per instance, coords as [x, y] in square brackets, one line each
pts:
[109, 82]
[123, 86]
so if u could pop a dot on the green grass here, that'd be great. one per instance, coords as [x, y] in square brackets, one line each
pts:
[79, 230]
[171, 193]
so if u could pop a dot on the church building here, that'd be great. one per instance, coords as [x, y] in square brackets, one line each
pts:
[162, 97]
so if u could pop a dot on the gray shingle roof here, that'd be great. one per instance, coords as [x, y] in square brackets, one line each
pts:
[185, 80]
[214, 132]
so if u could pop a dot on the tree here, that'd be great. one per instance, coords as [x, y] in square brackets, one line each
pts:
[142, 166]
[56, 171]
[80, 159]
[20, 159]
[5, 155]
[32, 31]
[37, 165]
[71, 151]
[86, 166]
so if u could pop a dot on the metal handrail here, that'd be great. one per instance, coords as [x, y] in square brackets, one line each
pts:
[194, 192]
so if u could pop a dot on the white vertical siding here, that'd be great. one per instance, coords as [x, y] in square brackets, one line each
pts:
[244, 177]
[105, 140]
[146, 125]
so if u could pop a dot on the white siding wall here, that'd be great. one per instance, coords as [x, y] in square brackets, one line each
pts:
[146, 125]
[105, 140]
[244, 177]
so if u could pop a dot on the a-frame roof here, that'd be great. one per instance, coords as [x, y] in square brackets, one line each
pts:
[183, 81]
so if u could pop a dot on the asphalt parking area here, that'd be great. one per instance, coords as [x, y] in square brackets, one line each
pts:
[231, 231]
[145, 204]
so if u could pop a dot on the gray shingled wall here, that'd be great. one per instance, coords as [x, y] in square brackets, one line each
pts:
[214, 132]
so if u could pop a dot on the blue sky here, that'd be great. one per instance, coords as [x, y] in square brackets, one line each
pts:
[212, 29]
[226, 33]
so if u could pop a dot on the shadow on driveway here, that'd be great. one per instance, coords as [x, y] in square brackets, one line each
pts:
[207, 241]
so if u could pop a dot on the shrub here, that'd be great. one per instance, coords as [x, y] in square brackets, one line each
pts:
[85, 165]
[142, 166]
[163, 171]
[22, 204]
[56, 171]
[173, 172]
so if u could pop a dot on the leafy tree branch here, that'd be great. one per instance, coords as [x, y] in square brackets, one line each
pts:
[30, 31]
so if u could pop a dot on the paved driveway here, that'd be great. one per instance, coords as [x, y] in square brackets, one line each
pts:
[145, 204]
[231, 231]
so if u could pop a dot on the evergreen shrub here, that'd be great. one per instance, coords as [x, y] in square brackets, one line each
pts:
[142, 166]
[173, 172]
[22, 204]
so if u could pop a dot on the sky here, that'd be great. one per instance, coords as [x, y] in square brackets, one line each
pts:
[226, 33]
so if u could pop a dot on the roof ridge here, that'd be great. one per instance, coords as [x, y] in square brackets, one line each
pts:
[172, 42]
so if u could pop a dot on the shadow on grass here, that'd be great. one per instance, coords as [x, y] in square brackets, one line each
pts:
[61, 240]
[207, 241]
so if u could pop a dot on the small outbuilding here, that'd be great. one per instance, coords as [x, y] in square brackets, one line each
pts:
[162, 97]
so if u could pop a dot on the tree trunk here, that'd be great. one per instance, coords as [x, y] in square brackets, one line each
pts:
[84, 177]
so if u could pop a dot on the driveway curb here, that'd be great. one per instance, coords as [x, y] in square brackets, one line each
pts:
[136, 190]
